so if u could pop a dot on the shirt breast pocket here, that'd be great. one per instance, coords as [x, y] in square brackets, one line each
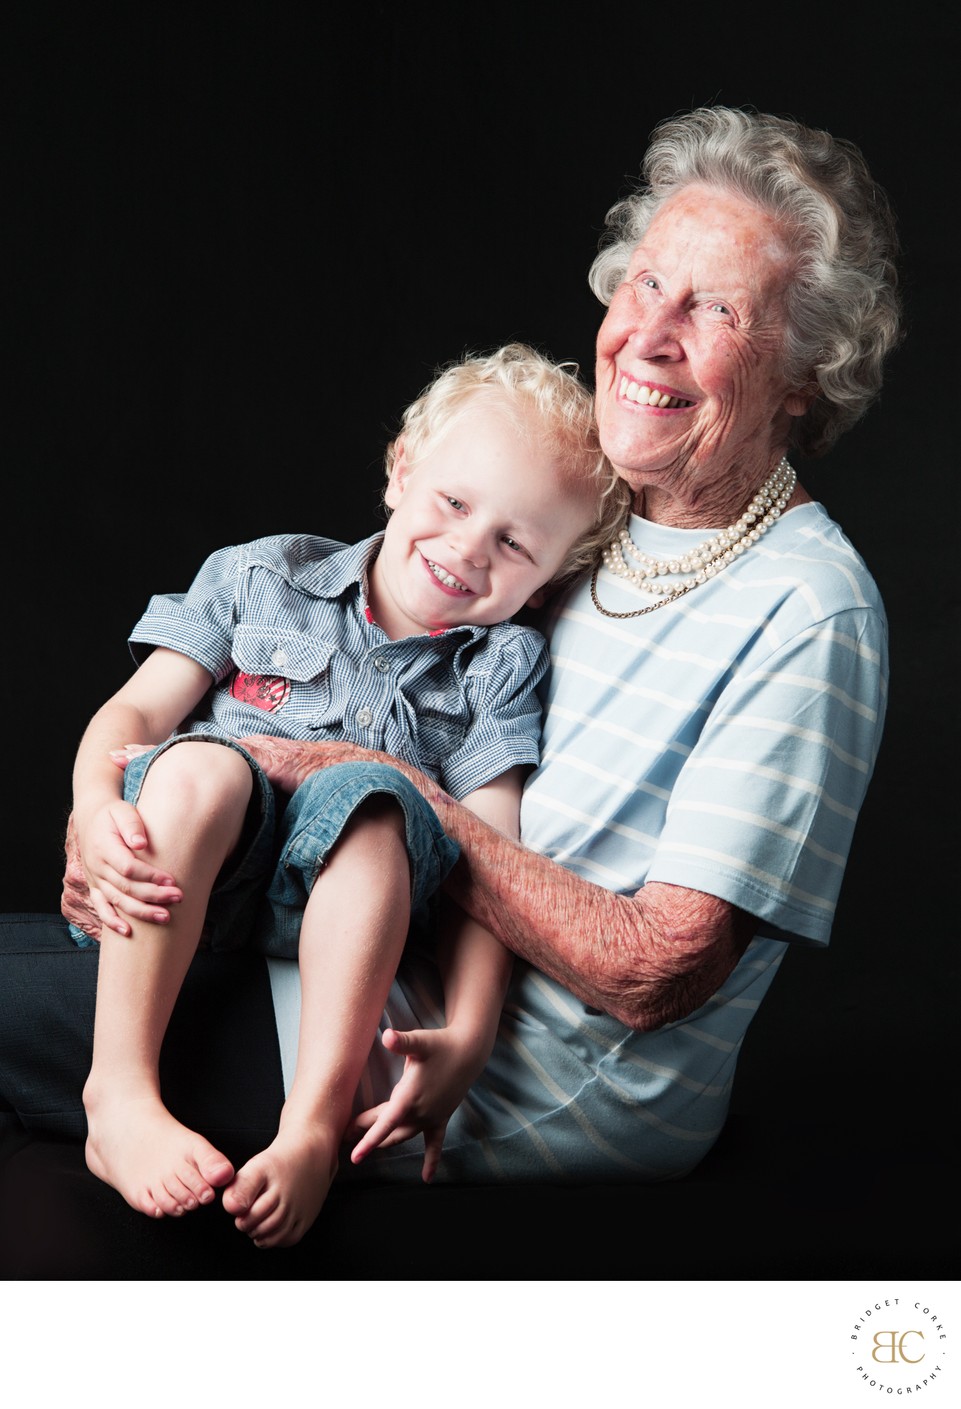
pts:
[287, 673]
[439, 737]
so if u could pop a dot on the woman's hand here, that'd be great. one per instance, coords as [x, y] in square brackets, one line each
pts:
[75, 903]
[288, 762]
[122, 757]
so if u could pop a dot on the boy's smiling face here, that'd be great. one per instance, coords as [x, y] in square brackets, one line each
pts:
[479, 523]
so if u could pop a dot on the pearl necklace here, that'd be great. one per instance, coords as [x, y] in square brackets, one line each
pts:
[707, 559]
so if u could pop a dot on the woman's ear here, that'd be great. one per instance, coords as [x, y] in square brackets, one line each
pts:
[798, 403]
[399, 471]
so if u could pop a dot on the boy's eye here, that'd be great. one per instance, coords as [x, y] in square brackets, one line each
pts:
[454, 503]
[513, 544]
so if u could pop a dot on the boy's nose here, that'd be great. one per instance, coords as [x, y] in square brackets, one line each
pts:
[472, 547]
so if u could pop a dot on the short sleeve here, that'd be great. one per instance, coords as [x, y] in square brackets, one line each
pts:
[763, 811]
[505, 729]
[200, 622]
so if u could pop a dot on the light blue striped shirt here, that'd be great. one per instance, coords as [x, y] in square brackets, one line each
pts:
[281, 624]
[722, 743]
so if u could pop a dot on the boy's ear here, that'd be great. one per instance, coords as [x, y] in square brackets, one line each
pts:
[542, 595]
[397, 479]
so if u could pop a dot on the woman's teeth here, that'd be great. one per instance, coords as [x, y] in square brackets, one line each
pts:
[647, 396]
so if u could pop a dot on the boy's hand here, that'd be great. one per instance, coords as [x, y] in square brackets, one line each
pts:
[436, 1077]
[109, 879]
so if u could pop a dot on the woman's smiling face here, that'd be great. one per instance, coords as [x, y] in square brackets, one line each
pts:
[691, 397]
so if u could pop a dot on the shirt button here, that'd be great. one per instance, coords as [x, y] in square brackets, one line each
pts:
[364, 717]
[381, 663]
[279, 659]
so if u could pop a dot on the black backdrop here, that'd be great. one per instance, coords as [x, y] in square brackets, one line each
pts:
[238, 241]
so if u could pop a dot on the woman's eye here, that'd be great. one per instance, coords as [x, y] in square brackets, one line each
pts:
[721, 308]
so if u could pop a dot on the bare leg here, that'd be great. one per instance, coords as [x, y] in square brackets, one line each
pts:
[193, 803]
[354, 930]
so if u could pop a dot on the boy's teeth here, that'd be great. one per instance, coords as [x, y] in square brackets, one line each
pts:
[444, 576]
[647, 396]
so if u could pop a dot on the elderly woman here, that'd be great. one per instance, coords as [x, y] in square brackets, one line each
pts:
[718, 681]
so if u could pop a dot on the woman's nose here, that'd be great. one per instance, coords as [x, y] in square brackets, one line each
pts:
[657, 336]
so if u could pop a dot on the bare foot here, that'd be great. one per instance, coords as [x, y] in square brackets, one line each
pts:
[278, 1194]
[159, 1166]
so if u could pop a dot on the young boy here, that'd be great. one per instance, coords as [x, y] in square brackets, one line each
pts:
[497, 489]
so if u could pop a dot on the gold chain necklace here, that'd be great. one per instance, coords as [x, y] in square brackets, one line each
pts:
[703, 562]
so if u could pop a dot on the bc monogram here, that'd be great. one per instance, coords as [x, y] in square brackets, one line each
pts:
[892, 1342]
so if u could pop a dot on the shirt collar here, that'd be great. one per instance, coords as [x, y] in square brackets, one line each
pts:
[347, 567]
[343, 568]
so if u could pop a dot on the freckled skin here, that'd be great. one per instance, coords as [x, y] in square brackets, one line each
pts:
[701, 311]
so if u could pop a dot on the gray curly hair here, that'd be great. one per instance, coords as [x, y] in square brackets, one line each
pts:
[843, 306]
[546, 400]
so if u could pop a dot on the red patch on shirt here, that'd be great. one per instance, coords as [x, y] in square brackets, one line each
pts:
[269, 692]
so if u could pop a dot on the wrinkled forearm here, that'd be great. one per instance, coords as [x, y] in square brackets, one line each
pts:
[647, 959]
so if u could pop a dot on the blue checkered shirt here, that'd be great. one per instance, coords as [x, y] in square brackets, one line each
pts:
[282, 626]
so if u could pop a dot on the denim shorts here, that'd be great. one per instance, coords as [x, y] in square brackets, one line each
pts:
[313, 820]
[259, 897]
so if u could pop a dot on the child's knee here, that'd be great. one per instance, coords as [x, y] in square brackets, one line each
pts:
[382, 813]
[200, 775]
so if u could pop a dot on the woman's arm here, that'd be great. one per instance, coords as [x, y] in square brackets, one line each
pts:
[647, 959]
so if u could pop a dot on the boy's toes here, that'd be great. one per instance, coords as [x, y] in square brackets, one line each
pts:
[201, 1179]
[216, 1170]
[275, 1230]
[240, 1196]
[181, 1189]
[158, 1202]
[261, 1212]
